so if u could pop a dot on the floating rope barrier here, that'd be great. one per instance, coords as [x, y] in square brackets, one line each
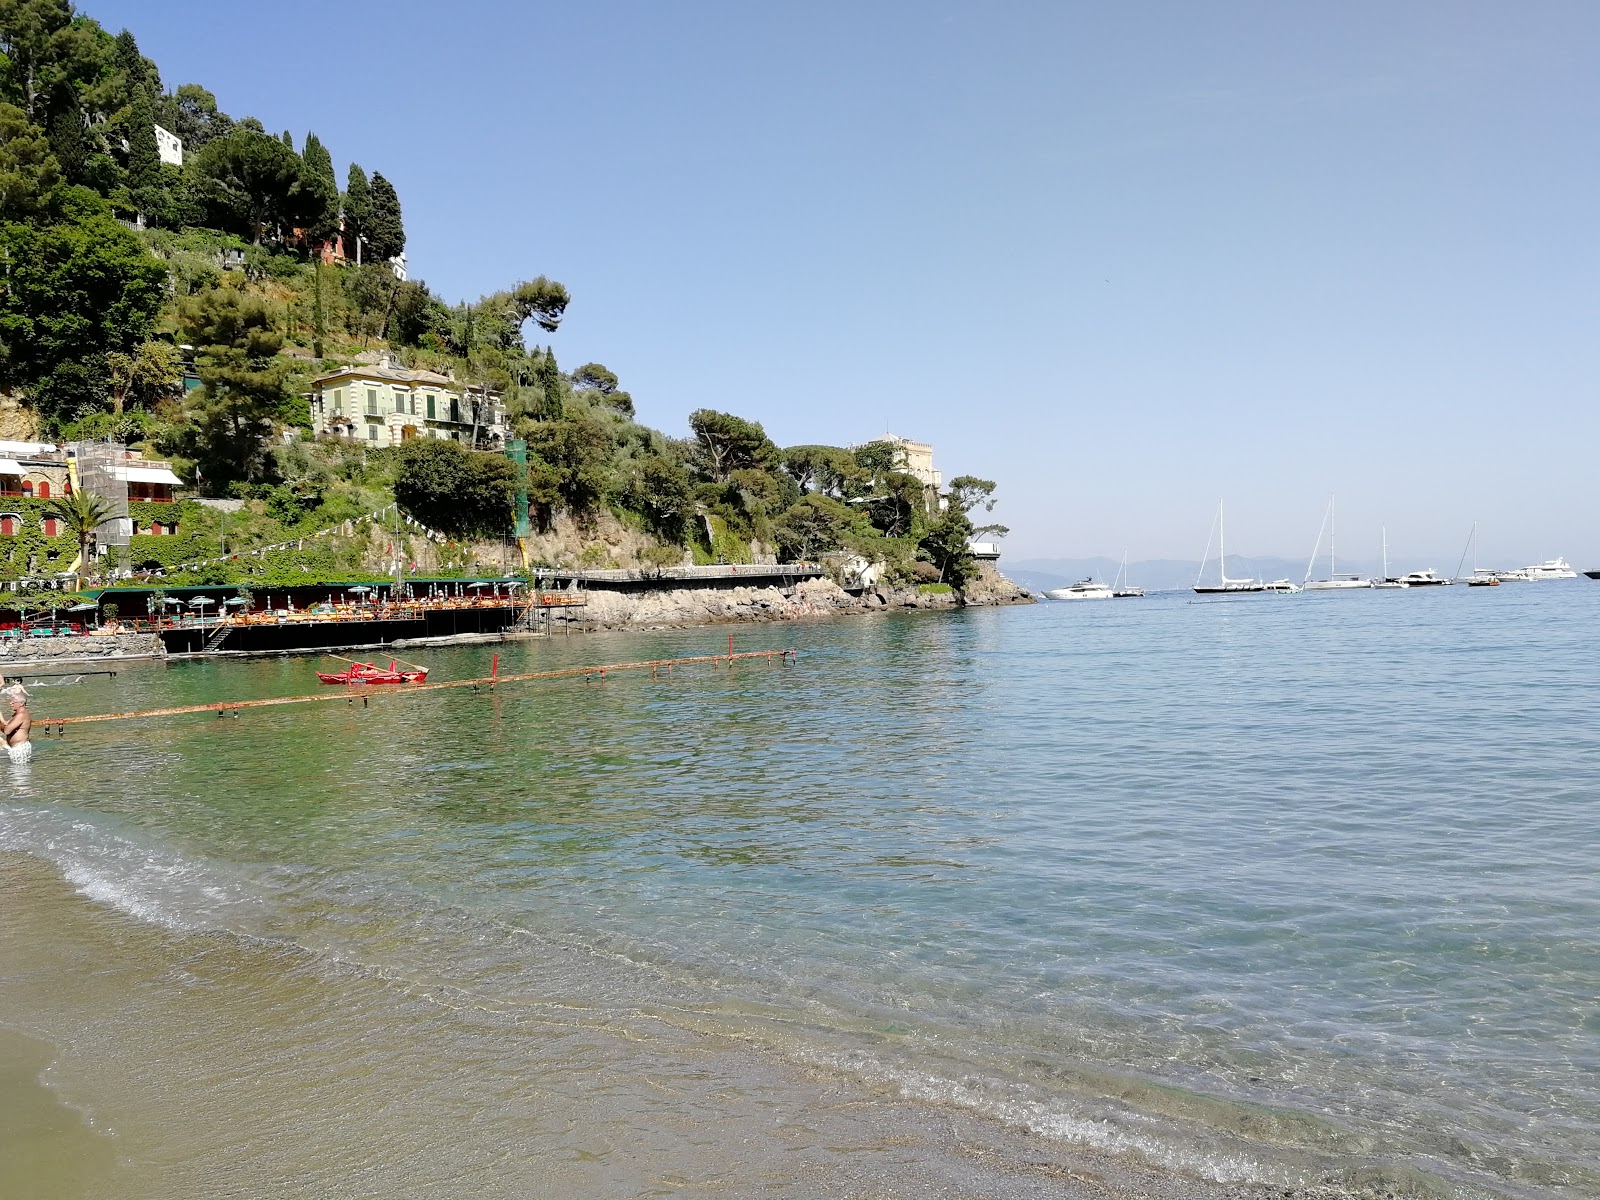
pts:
[351, 693]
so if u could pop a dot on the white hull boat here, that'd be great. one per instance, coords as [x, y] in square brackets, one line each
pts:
[1335, 582]
[1555, 568]
[1084, 589]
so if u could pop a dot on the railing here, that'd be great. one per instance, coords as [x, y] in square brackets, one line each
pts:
[720, 571]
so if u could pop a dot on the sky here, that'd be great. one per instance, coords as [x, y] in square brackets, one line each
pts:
[1126, 260]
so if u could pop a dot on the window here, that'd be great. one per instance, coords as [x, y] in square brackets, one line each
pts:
[8, 525]
[431, 414]
[400, 403]
[51, 527]
[338, 402]
[372, 433]
[27, 487]
[44, 489]
[372, 401]
[455, 409]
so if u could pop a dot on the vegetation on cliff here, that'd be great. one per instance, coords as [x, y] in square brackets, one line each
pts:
[123, 272]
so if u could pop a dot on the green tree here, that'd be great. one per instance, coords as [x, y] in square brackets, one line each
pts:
[30, 176]
[821, 469]
[811, 526]
[144, 375]
[255, 186]
[966, 492]
[192, 114]
[242, 389]
[82, 513]
[728, 443]
[592, 377]
[947, 545]
[322, 188]
[386, 234]
[662, 491]
[357, 212]
[76, 290]
[458, 491]
[579, 450]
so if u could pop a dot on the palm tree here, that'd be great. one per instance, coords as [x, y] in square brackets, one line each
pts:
[82, 513]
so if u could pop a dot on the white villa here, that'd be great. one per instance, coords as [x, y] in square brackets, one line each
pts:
[385, 404]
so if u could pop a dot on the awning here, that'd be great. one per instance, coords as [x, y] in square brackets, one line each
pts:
[10, 466]
[153, 475]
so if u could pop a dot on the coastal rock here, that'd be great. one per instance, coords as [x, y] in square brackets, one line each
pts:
[813, 598]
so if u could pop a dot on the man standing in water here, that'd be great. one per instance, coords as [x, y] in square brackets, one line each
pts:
[17, 725]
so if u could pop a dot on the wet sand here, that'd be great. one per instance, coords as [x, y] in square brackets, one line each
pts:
[137, 1062]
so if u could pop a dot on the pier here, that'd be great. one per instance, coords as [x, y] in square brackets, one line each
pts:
[351, 693]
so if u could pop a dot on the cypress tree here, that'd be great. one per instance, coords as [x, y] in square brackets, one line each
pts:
[322, 188]
[144, 160]
[386, 236]
[357, 209]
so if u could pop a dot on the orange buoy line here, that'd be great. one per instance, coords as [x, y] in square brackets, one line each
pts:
[59, 724]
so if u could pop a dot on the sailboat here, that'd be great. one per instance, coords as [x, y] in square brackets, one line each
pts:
[1334, 581]
[1481, 576]
[1230, 586]
[1126, 589]
[1385, 581]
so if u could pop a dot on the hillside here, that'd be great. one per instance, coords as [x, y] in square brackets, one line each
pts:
[179, 277]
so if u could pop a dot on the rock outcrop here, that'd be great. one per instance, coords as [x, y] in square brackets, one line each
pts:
[666, 607]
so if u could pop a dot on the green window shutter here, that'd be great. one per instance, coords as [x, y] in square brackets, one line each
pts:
[431, 414]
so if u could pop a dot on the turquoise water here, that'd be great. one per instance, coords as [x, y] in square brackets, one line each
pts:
[1288, 889]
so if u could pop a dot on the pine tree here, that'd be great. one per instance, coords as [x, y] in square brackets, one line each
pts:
[386, 236]
[357, 209]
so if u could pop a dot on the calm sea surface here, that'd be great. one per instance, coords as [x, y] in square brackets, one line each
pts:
[1292, 890]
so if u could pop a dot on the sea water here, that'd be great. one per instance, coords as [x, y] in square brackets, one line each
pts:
[1287, 890]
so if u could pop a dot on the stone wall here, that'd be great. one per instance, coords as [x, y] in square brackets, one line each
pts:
[49, 649]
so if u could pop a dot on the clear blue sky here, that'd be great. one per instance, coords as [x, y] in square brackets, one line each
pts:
[1123, 258]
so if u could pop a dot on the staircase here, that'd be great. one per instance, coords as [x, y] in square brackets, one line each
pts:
[218, 636]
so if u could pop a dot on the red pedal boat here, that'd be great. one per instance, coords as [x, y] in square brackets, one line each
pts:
[372, 673]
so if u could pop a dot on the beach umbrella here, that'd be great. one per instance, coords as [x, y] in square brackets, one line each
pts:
[236, 600]
[479, 584]
[83, 608]
[173, 602]
[201, 601]
[362, 590]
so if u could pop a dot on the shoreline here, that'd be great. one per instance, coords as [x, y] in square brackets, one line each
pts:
[605, 610]
[869, 1134]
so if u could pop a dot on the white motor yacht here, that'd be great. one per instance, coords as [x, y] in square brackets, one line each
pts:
[1084, 589]
[1553, 568]
[1336, 583]
[1424, 578]
[1280, 585]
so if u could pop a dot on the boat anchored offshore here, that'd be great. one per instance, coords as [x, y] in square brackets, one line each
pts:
[1335, 581]
[1224, 585]
[1427, 577]
[1084, 589]
[1120, 587]
[1551, 568]
[1384, 581]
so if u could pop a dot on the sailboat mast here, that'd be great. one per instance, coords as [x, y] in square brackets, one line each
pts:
[1331, 500]
[1222, 546]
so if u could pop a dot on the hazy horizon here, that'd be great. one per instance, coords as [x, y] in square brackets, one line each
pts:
[1124, 260]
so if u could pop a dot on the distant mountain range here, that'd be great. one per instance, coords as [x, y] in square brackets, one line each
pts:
[1161, 574]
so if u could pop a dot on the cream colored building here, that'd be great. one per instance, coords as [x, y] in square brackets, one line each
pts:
[385, 404]
[915, 459]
